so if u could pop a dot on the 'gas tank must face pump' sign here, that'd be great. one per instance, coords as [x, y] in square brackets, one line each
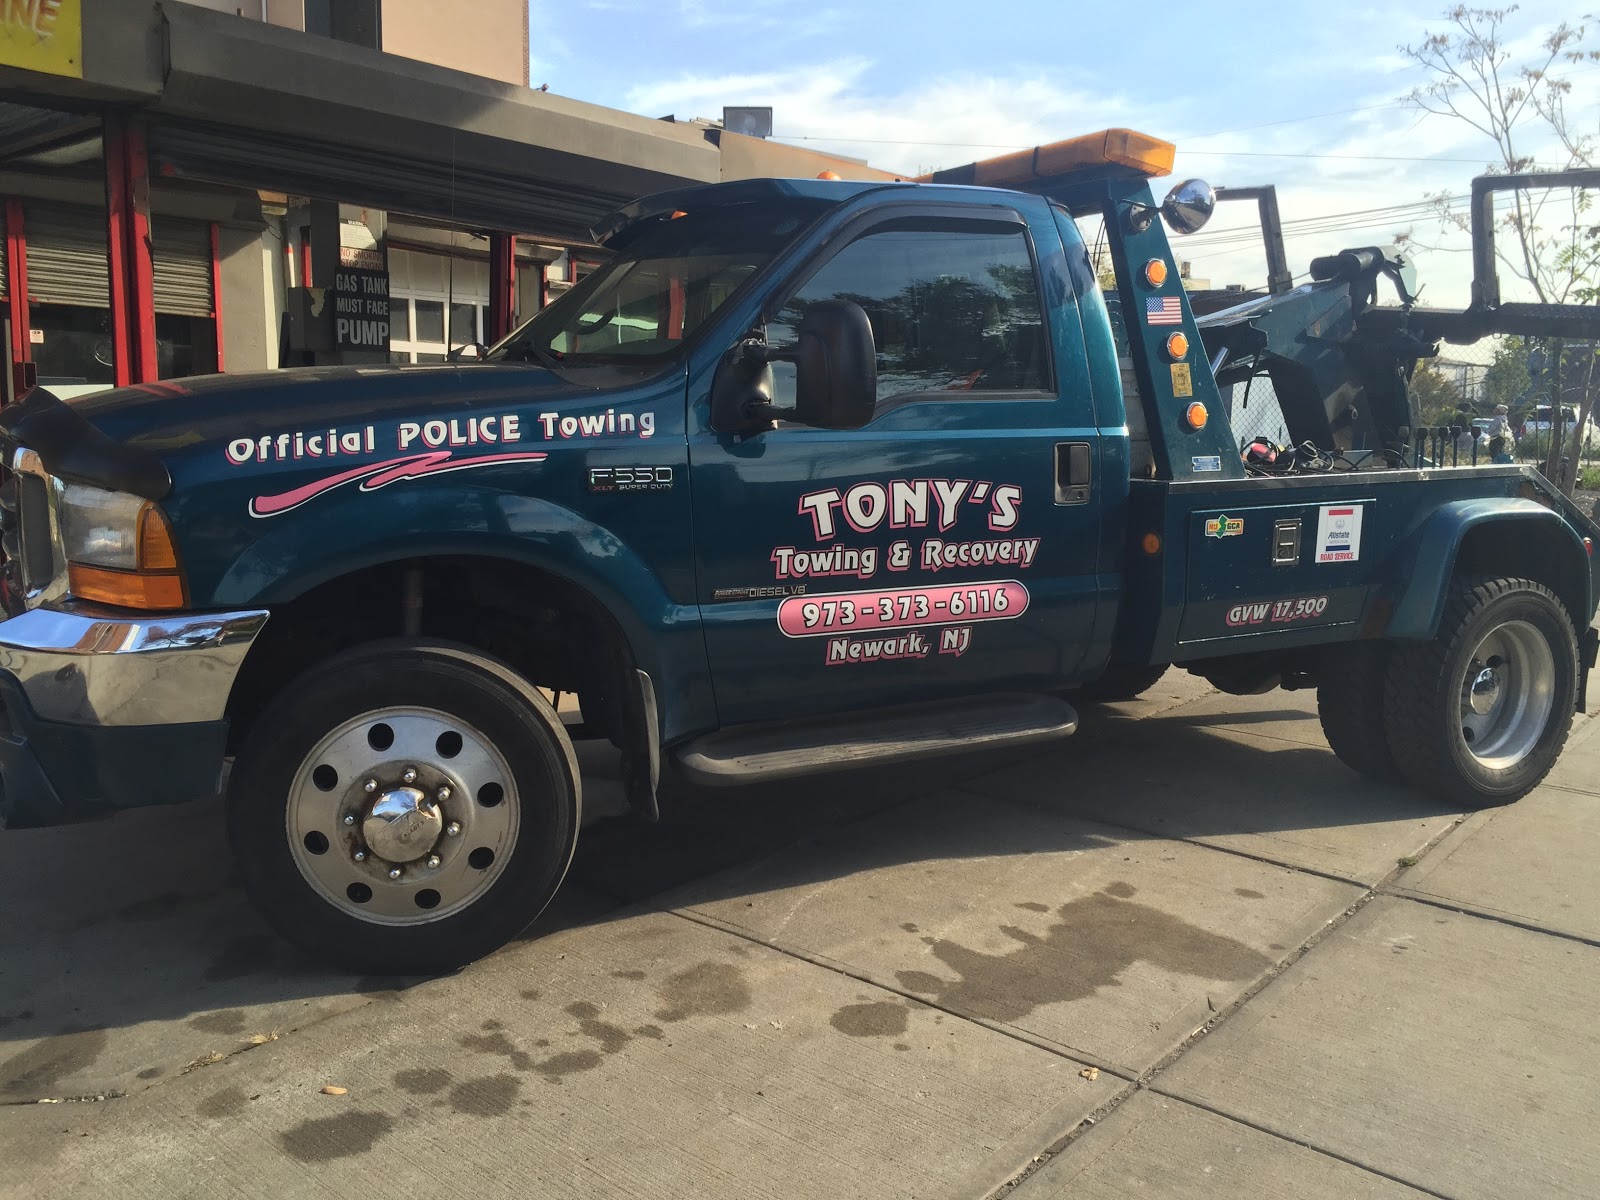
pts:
[359, 300]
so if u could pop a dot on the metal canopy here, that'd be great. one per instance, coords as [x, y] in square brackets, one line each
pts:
[237, 101]
[249, 103]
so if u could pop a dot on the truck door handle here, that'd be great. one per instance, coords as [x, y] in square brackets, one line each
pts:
[1074, 472]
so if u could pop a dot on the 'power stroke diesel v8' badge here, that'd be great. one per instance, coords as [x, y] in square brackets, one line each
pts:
[630, 479]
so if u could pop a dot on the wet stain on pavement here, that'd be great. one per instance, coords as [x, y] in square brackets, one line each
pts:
[611, 1037]
[901, 1046]
[491, 1025]
[491, 1096]
[911, 927]
[243, 956]
[1249, 894]
[328, 1138]
[704, 990]
[1034, 906]
[634, 975]
[558, 1066]
[881, 1018]
[45, 1064]
[228, 1020]
[653, 1032]
[422, 1081]
[149, 1073]
[530, 994]
[229, 1102]
[497, 1043]
[1093, 941]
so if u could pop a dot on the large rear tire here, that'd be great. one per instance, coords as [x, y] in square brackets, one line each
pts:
[404, 808]
[1478, 715]
[1350, 707]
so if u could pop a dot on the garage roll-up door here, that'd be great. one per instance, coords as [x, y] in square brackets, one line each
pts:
[66, 255]
[67, 259]
[182, 266]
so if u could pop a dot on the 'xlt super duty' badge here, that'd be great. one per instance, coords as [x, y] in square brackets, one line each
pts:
[630, 479]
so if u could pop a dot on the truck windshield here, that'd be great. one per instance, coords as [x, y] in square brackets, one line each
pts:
[670, 275]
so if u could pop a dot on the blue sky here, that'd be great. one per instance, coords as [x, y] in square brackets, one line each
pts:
[911, 86]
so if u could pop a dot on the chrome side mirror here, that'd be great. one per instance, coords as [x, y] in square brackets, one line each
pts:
[1189, 206]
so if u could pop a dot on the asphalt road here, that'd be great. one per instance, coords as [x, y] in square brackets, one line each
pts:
[1186, 954]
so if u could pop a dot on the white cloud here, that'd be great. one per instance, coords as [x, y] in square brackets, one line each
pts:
[933, 123]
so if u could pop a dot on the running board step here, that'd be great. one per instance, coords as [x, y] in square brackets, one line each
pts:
[757, 753]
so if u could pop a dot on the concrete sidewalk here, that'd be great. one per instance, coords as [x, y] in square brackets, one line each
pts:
[1177, 956]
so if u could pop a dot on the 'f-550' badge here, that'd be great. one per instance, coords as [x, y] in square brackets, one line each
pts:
[1221, 527]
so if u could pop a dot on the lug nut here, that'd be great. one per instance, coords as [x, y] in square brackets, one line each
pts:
[433, 860]
[370, 785]
[444, 794]
[360, 856]
[409, 775]
[394, 872]
[349, 819]
[453, 828]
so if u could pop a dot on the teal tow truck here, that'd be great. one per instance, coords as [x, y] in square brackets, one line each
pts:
[809, 474]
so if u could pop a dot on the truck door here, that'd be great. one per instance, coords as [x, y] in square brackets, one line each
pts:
[949, 547]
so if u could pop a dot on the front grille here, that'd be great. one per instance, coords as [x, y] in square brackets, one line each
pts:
[38, 550]
[27, 533]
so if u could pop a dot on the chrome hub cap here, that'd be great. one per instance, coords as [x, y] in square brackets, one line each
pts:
[1507, 695]
[402, 825]
[402, 816]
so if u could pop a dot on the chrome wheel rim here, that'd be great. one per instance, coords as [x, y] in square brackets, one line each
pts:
[402, 816]
[1507, 693]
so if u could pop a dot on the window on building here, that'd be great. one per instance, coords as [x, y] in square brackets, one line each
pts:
[954, 308]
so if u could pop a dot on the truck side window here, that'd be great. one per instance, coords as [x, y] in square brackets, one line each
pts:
[954, 308]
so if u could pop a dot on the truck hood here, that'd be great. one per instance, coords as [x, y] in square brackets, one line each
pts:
[125, 438]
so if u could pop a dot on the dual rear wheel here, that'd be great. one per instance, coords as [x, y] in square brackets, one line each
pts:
[1478, 715]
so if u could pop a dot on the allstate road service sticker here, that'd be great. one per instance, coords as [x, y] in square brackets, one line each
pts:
[1339, 533]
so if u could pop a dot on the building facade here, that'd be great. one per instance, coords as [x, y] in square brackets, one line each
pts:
[187, 188]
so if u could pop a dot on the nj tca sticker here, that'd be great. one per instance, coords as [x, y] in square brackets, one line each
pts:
[1339, 533]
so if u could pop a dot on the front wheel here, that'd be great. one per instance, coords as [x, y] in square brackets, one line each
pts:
[1478, 715]
[406, 807]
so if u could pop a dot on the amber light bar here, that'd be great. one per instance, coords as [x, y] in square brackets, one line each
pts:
[1111, 151]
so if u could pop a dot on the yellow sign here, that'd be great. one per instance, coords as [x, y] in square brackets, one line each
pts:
[1182, 381]
[42, 35]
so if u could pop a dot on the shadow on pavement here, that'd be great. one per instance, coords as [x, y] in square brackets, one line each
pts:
[137, 921]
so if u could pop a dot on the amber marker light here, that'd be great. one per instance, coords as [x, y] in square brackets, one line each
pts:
[1151, 543]
[830, 175]
[1195, 414]
[1178, 345]
[1155, 272]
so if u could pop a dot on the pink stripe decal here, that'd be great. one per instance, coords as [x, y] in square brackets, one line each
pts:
[381, 474]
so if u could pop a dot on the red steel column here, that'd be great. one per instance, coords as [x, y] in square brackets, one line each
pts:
[133, 307]
[502, 284]
[17, 284]
[117, 247]
[216, 293]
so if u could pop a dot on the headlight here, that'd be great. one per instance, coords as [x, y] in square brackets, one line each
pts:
[119, 549]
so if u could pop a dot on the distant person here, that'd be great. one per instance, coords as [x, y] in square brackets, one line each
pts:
[1500, 426]
[1500, 449]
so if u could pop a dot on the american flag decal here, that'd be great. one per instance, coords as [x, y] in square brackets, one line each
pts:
[1163, 310]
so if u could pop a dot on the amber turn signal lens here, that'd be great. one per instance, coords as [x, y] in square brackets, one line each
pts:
[1155, 272]
[156, 551]
[1178, 345]
[1151, 543]
[125, 589]
[1195, 414]
[830, 175]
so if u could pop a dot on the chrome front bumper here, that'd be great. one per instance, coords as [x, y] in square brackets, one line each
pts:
[81, 664]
